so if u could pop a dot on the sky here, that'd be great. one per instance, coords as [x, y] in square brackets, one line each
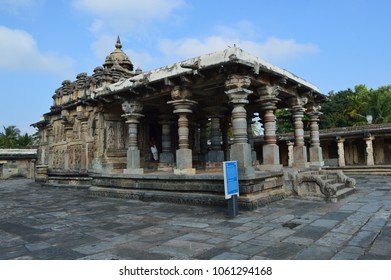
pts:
[333, 44]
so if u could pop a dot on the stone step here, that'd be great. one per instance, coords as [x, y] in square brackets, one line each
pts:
[331, 181]
[338, 186]
[344, 192]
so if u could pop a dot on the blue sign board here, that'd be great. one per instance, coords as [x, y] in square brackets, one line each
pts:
[231, 183]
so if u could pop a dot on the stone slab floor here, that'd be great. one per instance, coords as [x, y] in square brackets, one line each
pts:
[59, 223]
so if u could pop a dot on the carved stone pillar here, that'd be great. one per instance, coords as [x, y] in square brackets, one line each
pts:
[316, 157]
[271, 153]
[83, 118]
[68, 128]
[250, 116]
[369, 150]
[183, 107]
[299, 150]
[216, 154]
[290, 152]
[50, 132]
[203, 140]
[225, 136]
[240, 149]
[166, 157]
[132, 114]
[341, 151]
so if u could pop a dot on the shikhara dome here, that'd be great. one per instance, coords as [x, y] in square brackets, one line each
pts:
[118, 56]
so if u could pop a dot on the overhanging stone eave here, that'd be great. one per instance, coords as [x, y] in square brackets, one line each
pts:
[202, 63]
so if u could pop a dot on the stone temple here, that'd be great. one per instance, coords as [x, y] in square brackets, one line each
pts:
[198, 113]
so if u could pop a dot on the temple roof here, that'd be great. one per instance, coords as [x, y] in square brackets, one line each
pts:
[228, 56]
[118, 56]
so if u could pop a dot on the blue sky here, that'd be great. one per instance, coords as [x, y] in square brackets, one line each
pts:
[334, 44]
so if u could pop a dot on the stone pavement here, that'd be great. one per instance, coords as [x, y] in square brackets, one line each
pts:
[60, 223]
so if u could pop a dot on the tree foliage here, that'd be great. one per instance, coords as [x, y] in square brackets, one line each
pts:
[346, 108]
[11, 138]
[351, 107]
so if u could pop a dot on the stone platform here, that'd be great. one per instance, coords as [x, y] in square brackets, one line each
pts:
[204, 188]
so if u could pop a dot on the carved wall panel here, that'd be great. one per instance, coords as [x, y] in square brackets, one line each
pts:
[116, 135]
[75, 156]
[59, 156]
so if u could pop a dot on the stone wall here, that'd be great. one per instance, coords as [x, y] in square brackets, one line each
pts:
[17, 163]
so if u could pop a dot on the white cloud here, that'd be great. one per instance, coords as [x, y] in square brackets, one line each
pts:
[19, 51]
[125, 15]
[273, 49]
[244, 35]
[17, 7]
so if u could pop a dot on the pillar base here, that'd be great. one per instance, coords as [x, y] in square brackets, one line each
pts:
[184, 162]
[133, 161]
[216, 156]
[300, 157]
[270, 167]
[134, 171]
[316, 157]
[165, 166]
[187, 171]
[271, 154]
[241, 152]
[166, 157]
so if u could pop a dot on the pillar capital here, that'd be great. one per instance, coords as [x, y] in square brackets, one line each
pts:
[237, 91]
[314, 109]
[182, 106]
[268, 94]
[340, 139]
[180, 92]
[236, 81]
[298, 102]
[369, 137]
[132, 109]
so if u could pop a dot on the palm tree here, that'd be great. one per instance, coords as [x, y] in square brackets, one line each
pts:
[25, 141]
[9, 138]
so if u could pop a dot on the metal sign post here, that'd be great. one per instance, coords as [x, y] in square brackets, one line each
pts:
[231, 187]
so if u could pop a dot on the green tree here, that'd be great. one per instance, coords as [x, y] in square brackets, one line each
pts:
[284, 120]
[379, 104]
[351, 107]
[334, 109]
[25, 141]
[9, 138]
